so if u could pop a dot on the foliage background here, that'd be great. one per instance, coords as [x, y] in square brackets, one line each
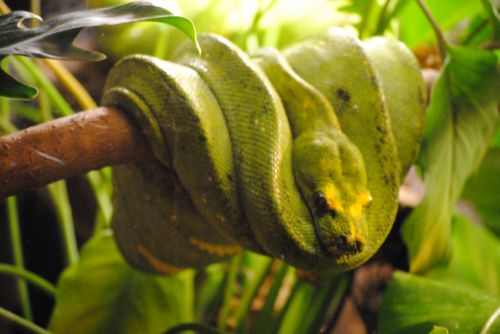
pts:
[450, 254]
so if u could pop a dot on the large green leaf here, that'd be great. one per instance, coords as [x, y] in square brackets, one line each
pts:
[460, 123]
[482, 190]
[102, 294]
[413, 305]
[476, 258]
[54, 38]
[415, 28]
[492, 7]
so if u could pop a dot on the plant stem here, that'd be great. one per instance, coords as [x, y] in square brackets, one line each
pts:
[4, 9]
[57, 99]
[5, 124]
[59, 195]
[443, 45]
[475, 31]
[26, 324]
[14, 228]
[69, 81]
[365, 18]
[234, 266]
[35, 7]
[489, 323]
[17, 253]
[28, 276]
[381, 24]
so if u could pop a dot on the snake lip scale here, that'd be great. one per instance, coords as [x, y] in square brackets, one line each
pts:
[297, 154]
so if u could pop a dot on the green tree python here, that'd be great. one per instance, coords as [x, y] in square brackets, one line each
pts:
[295, 154]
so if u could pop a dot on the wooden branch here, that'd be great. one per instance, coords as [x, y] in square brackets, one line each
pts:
[67, 147]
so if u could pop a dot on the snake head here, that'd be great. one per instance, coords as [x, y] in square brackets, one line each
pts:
[340, 226]
[331, 176]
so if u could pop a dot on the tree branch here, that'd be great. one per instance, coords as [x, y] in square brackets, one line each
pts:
[67, 147]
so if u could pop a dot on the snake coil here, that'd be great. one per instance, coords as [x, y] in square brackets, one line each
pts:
[297, 155]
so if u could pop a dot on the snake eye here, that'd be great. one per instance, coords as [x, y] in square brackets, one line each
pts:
[319, 200]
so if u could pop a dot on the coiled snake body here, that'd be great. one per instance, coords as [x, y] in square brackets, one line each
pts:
[297, 155]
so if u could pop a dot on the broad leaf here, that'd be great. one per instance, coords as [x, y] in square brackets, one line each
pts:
[482, 190]
[476, 258]
[413, 305]
[102, 294]
[415, 29]
[460, 124]
[54, 38]
[492, 7]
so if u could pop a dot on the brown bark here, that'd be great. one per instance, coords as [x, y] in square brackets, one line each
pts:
[67, 147]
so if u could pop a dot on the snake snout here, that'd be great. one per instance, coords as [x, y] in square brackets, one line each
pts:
[342, 245]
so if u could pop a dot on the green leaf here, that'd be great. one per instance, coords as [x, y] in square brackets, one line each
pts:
[476, 258]
[460, 124]
[310, 306]
[482, 190]
[439, 330]
[54, 38]
[10, 87]
[415, 28]
[413, 304]
[254, 271]
[493, 10]
[102, 294]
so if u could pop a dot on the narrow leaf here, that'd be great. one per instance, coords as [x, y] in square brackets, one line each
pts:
[10, 87]
[412, 304]
[460, 124]
[102, 294]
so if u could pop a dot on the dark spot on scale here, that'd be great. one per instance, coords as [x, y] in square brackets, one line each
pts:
[380, 128]
[264, 109]
[343, 95]
[374, 82]
[387, 180]
[202, 138]
[421, 99]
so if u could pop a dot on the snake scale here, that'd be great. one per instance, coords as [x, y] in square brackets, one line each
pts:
[295, 154]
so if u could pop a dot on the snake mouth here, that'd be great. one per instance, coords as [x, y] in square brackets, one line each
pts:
[345, 245]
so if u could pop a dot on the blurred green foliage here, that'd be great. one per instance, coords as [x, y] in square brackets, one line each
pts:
[459, 288]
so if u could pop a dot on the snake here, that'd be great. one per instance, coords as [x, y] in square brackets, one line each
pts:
[297, 154]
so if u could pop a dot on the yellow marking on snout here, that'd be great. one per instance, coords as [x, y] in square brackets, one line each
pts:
[159, 265]
[357, 208]
[332, 199]
[355, 211]
[214, 249]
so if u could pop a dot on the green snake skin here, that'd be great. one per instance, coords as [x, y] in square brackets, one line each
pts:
[296, 154]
